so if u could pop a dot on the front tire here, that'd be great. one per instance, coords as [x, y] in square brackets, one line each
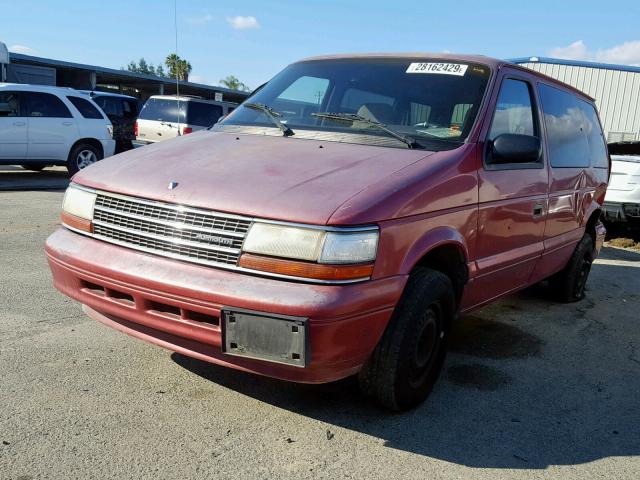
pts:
[406, 363]
[81, 156]
[569, 284]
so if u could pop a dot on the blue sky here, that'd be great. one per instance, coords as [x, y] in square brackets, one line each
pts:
[254, 39]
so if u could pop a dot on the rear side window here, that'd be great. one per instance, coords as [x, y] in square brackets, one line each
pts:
[10, 105]
[45, 105]
[595, 137]
[130, 108]
[110, 106]
[566, 128]
[203, 114]
[514, 113]
[163, 110]
[85, 108]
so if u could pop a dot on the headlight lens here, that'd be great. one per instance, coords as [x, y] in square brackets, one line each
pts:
[312, 245]
[284, 241]
[110, 130]
[79, 202]
[349, 247]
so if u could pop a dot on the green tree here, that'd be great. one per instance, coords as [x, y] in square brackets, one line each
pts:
[178, 67]
[142, 66]
[232, 82]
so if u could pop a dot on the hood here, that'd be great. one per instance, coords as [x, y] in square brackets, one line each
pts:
[261, 176]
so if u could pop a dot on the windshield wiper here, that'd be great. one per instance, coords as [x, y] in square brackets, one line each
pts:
[273, 116]
[353, 117]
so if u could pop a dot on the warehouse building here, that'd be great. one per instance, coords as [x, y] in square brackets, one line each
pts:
[616, 89]
[20, 68]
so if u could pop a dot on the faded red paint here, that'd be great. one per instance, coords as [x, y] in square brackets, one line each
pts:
[420, 200]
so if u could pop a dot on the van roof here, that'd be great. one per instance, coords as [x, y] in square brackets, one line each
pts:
[186, 98]
[494, 63]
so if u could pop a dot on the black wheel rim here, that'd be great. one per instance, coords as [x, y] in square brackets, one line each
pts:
[426, 345]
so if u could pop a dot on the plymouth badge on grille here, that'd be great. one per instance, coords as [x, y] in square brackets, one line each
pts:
[172, 185]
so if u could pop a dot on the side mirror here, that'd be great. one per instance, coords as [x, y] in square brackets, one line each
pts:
[514, 148]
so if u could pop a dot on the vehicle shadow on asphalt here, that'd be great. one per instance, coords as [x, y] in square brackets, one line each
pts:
[528, 384]
[14, 178]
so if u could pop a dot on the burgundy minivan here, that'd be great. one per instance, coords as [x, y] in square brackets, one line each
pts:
[338, 221]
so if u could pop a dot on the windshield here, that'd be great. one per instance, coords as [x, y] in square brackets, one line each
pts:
[433, 103]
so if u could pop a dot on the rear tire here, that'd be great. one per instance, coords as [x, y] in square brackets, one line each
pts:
[406, 363]
[568, 285]
[81, 156]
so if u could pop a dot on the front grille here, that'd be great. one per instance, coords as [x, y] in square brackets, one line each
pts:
[170, 230]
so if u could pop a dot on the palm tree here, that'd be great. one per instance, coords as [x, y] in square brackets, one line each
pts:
[232, 82]
[178, 67]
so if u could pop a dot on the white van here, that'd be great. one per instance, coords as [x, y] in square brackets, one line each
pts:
[167, 116]
[42, 125]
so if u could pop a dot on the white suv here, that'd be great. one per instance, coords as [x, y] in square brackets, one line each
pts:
[622, 201]
[42, 125]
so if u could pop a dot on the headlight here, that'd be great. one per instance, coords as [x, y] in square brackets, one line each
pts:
[110, 130]
[326, 255]
[349, 247]
[284, 241]
[77, 208]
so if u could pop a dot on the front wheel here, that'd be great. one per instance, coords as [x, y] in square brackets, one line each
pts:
[569, 284]
[81, 156]
[406, 363]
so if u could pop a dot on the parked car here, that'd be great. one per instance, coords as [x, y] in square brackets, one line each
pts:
[122, 111]
[42, 125]
[165, 116]
[622, 203]
[339, 220]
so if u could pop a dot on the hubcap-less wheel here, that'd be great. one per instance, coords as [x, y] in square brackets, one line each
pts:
[583, 274]
[426, 345]
[85, 158]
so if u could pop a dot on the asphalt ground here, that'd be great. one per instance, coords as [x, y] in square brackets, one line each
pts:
[530, 389]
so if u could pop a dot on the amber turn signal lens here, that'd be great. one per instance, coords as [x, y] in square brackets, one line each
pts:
[305, 269]
[76, 222]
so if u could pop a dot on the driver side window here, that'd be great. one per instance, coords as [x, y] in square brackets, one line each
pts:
[514, 113]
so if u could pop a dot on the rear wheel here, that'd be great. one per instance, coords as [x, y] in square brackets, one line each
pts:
[81, 156]
[569, 284]
[406, 363]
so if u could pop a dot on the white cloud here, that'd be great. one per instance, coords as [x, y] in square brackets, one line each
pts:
[243, 23]
[22, 49]
[627, 53]
[575, 51]
[198, 79]
[201, 20]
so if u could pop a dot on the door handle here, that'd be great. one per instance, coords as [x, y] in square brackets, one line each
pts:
[538, 209]
[19, 124]
[67, 124]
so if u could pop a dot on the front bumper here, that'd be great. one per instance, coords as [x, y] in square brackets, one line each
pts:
[177, 305]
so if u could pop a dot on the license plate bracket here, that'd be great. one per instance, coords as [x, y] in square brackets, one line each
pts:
[264, 336]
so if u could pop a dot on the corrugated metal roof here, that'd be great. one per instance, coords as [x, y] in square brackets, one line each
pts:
[125, 74]
[575, 63]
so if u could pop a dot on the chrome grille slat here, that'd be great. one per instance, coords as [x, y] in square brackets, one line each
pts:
[181, 226]
[170, 230]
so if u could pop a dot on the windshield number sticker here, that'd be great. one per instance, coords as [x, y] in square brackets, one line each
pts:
[457, 69]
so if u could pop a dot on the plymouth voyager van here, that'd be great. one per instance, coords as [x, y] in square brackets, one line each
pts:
[338, 221]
